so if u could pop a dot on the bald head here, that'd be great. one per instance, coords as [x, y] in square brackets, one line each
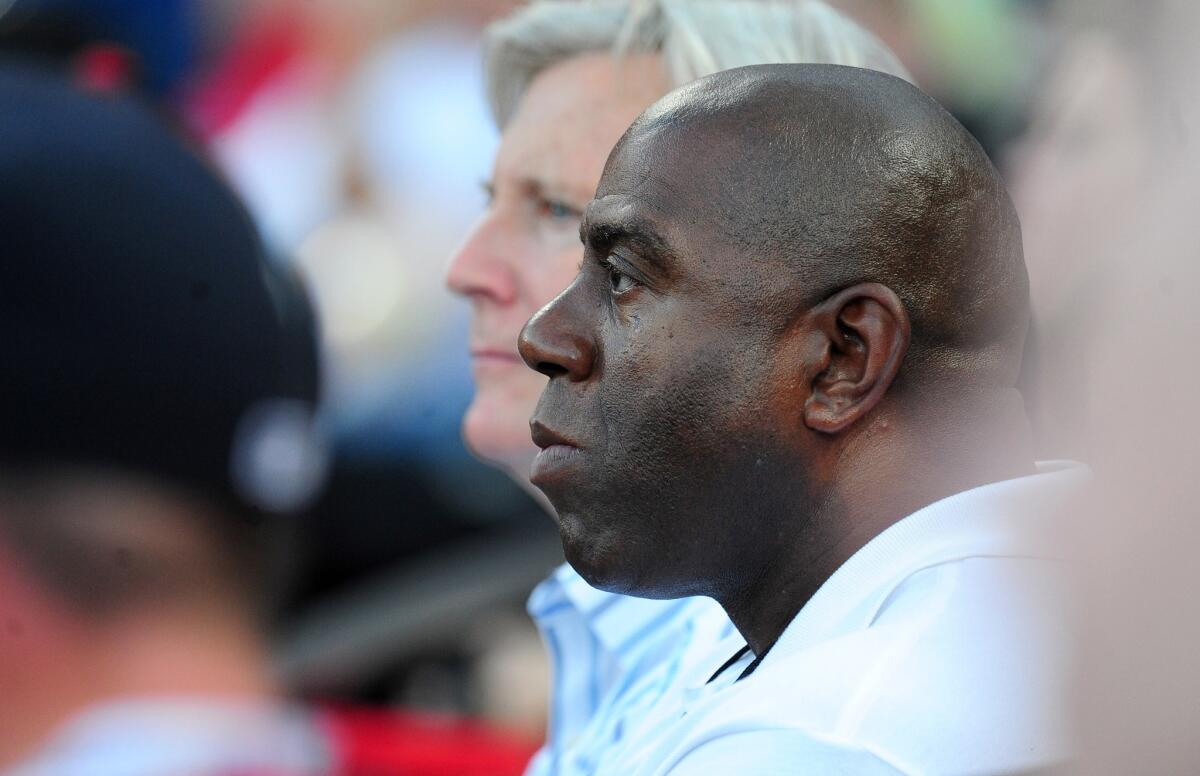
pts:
[816, 177]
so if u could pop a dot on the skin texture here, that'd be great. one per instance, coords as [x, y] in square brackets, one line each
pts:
[525, 249]
[781, 345]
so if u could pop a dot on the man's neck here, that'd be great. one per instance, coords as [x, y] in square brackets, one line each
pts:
[156, 655]
[893, 469]
[197, 654]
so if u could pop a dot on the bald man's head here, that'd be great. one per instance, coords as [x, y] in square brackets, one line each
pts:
[802, 291]
[832, 176]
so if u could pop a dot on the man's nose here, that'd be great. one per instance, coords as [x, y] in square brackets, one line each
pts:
[478, 269]
[556, 340]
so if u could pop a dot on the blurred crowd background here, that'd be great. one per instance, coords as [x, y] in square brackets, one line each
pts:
[357, 132]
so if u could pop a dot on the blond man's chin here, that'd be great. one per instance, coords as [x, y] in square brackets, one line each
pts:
[498, 435]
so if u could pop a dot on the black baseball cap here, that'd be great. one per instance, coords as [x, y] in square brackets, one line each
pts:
[142, 326]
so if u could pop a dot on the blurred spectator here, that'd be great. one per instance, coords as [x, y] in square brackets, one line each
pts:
[159, 425]
[1086, 159]
[1105, 180]
[150, 45]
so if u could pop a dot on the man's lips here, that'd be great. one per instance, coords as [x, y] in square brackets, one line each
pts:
[504, 354]
[544, 436]
[486, 359]
[558, 454]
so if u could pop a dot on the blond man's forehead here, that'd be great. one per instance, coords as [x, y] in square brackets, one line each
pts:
[573, 114]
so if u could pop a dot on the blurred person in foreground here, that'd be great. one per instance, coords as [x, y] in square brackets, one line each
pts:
[785, 377]
[564, 81]
[158, 402]
[1106, 177]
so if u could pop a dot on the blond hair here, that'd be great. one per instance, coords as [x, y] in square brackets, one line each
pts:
[695, 38]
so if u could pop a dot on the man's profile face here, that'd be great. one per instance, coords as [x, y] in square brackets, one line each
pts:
[667, 422]
[525, 249]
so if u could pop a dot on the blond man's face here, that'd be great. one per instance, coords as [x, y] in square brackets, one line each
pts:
[525, 249]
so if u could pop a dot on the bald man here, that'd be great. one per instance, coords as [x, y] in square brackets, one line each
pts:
[784, 377]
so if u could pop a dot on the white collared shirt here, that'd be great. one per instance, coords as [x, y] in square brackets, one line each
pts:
[940, 647]
[612, 657]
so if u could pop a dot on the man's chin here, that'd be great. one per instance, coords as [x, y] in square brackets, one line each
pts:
[611, 567]
[597, 573]
[596, 558]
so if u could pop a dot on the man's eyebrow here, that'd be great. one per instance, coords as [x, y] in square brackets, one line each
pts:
[535, 187]
[598, 232]
[551, 188]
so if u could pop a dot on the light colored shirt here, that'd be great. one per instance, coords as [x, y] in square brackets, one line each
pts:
[941, 647]
[612, 657]
[183, 737]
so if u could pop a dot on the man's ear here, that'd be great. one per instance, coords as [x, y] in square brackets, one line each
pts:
[866, 332]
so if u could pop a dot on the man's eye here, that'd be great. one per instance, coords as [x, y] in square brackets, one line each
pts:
[557, 211]
[618, 281]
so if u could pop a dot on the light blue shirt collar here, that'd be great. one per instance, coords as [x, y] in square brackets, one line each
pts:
[621, 624]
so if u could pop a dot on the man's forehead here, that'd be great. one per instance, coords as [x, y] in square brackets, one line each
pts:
[652, 188]
[620, 211]
[571, 115]
[669, 162]
[647, 170]
[638, 176]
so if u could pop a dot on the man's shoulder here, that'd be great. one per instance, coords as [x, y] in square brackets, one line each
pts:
[966, 662]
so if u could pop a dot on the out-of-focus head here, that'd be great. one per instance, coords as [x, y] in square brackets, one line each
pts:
[565, 79]
[157, 417]
[787, 268]
[156, 364]
[1079, 176]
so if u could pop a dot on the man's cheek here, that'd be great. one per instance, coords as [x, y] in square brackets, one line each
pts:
[658, 427]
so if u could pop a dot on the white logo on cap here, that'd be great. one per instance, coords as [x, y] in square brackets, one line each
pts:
[280, 456]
